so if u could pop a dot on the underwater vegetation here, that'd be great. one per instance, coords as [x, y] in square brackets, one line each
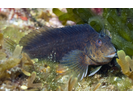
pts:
[126, 63]
[118, 23]
[80, 16]
[8, 63]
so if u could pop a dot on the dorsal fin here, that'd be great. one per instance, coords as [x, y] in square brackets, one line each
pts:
[46, 34]
[33, 35]
[53, 43]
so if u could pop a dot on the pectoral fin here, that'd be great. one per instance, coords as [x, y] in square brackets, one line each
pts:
[75, 61]
[94, 71]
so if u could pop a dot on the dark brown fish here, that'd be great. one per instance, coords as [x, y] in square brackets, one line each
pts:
[73, 46]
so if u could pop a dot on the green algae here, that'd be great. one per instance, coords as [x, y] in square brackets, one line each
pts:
[80, 16]
[121, 84]
[120, 28]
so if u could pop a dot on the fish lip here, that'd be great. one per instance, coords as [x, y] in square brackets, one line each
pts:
[111, 55]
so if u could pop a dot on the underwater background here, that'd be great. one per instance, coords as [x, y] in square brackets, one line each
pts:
[19, 72]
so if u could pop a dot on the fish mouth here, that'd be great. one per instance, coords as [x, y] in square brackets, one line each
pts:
[111, 55]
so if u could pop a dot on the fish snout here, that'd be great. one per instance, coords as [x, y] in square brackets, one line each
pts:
[112, 54]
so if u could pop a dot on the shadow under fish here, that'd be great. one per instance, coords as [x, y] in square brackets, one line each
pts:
[74, 47]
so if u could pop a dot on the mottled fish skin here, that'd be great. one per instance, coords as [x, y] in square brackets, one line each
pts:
[74, 46]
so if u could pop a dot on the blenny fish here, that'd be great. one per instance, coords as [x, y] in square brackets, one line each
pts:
[76, 47]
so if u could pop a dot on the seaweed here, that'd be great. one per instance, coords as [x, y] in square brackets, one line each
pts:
[126, 63]
[8, 63]
[1, 40]
[80, 16]
[120, 26]
[71, 83]
[97, 86]
[30, 81]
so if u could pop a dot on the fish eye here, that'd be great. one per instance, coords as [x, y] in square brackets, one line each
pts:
[99, 42]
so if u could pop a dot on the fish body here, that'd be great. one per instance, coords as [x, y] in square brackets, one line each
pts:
[55, 43]
[74, 46]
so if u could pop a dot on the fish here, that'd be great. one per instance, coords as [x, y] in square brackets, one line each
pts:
[75, 47]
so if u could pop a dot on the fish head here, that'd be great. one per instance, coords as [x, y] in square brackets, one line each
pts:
[100, 49]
